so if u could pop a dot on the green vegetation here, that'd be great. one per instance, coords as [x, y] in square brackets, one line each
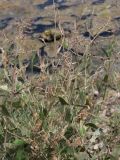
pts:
[69, 114]
[59, 87]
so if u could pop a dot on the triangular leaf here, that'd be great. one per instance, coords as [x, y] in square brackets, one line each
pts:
[63, 101]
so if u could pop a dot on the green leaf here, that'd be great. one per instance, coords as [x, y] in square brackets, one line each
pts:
[43, 113]
[63, 101]
[82, 96]
[34, 59]
[68, 115]
[25, 131]
[92, 125]
[70, 131]
[64, 149]
[19, 143]
[82, 129]
[21, 155]
[19, 85]
[17, 104]
[105, 78]
[1, 129]
[65, 45]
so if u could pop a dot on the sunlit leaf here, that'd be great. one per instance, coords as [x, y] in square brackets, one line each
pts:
[4, 88]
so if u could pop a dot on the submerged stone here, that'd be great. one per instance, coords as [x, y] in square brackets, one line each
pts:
[106, 33]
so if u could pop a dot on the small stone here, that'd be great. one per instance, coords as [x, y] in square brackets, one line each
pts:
[96, 146]
[96, 93]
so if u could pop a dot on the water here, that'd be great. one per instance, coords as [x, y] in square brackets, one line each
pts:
[36, 16]
[17, 10]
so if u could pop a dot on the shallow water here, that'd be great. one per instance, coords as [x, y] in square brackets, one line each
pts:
[86, 17]
[42, 11]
